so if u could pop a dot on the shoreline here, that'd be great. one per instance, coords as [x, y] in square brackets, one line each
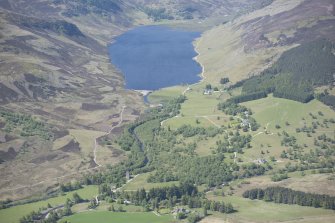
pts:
[196, 58]
[196, 46]
[145, 94]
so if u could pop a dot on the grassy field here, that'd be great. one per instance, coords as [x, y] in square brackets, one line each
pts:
[260, 211]
[59, 143]
[289, 115]
[110, 155]
[166, 94]
[277, 111]
[13, 214]
[112, 217]
[140, 181]
[85, 139]
[103, 206]
[199, 107]
[199, 104]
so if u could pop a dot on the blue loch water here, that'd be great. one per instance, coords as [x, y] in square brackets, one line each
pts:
[153, 57]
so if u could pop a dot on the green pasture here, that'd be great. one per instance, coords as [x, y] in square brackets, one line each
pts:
[13, 214]
[261, 211]
[166, 94]
[117, 217]
[271, 111]
[140, 181]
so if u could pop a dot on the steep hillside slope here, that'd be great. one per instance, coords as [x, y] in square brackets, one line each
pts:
[249, 44]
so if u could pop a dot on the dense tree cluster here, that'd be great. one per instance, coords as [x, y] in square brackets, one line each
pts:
[233, 142]
[279, 177]
[5, 204]
[167, 197]
[301, 94]
[224, 80]
[253, 124]
[189, 131]
[161, 176]
[210, 170]
[289, 196]
[199, 202]
[327, 99]
[251, 169]
[231, 108]
[248, 97]
[70, 186]
[153, 197]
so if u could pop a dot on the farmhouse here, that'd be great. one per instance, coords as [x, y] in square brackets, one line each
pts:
[245, 122]
[180, 210]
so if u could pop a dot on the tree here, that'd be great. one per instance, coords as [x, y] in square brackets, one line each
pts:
[93, 204]
[212, 206]
[120, 209]
[289, 196]
[208, 87]
[67, 210]
[229, 208]
[224, 80]
[76, 198]
[204, 211]
[193, 218]
[155, 203]
[180, 215]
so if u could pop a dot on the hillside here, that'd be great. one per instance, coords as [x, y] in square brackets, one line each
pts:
[56, 71]
[252, 42]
